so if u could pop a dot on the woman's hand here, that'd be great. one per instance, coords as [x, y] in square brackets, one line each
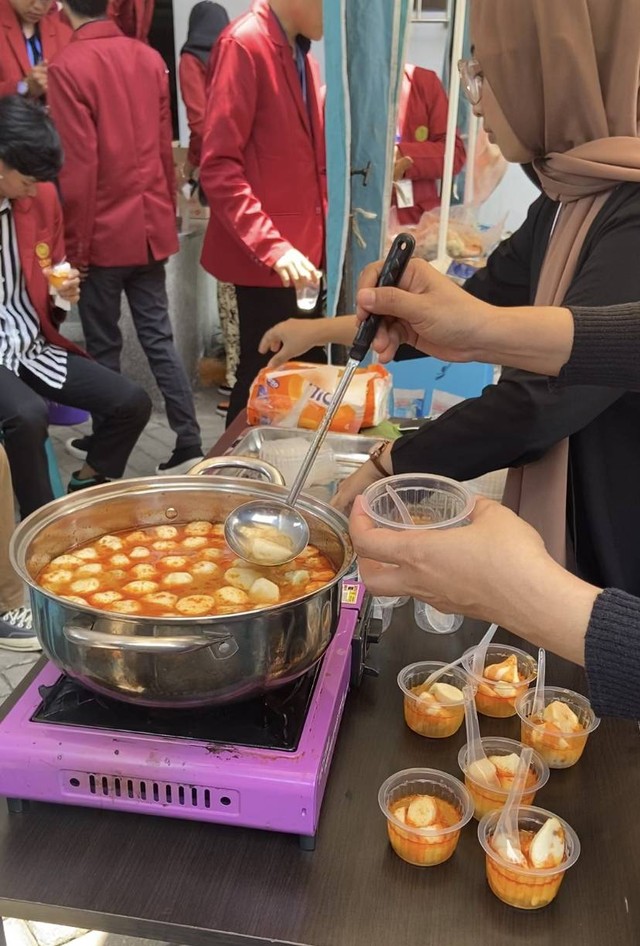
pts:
[289, 339]
[69, 290]
[488, 569]
[427, 311]
[356, 484]
[294, 269]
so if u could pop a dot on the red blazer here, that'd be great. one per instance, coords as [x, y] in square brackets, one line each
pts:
[193, 88]
[263, 163]
[39, 231]
[422, 124]
[14, 62]
[134, 17]
[109, 96]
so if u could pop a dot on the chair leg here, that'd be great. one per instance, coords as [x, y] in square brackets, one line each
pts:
[56, 482]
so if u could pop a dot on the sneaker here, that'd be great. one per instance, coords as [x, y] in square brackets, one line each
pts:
[222, 409]
[75, 483]
[180, 461]
[225, 390]
[78, 447]
[16, 632]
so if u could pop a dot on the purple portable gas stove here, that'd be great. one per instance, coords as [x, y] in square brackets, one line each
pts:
[260, 764]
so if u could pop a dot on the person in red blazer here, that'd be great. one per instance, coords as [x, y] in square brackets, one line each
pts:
[32, 33]
[263, 171]
[422, 129]
[109, 97]
[134, 17]
[36, 361]
[206, 21]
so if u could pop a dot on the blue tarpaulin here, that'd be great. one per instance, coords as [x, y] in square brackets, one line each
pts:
[365, 49]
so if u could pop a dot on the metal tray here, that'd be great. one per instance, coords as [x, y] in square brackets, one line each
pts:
[350, 450]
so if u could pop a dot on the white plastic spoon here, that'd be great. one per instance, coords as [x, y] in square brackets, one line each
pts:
[538, 696]
[475, 752]
[506, 837]
[480, 652]
[483, 643]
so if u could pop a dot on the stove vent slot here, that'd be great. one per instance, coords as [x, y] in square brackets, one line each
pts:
[150, 793]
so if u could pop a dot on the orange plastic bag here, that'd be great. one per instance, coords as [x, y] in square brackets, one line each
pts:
[297, 394]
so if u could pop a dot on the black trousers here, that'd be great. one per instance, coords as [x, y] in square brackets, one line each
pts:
[259, 309]
[123, 409]
[145, 289]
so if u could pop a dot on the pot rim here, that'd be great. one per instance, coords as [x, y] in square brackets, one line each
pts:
[30, 527]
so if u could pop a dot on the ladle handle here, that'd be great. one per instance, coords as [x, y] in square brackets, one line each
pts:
[394, 266]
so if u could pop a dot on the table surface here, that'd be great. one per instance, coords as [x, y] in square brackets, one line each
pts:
[195, 883]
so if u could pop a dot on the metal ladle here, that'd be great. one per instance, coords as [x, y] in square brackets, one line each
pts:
[272, 532]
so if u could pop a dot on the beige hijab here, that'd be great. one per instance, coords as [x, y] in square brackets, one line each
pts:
[566, 75]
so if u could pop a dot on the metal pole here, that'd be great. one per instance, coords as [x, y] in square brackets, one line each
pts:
[452, 121]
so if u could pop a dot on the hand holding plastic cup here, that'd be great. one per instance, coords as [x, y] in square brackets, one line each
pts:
[417, 502]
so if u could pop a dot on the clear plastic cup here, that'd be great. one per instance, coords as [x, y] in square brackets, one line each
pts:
[526, 888]
[435, 721]
[58, 275]
[496, 698]
[425, 847]
[433, 502]
[307, 296]
[560, 750]
[487, 799]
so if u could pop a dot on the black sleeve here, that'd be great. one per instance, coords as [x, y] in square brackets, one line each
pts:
[517, 420]
[606, 345]
[612, 655]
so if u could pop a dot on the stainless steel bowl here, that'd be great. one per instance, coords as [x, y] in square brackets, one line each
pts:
[178, 662]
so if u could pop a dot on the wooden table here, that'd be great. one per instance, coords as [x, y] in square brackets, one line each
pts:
[221, 886]
[217, 885]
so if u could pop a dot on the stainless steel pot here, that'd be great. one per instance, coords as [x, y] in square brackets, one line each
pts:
[178, 662]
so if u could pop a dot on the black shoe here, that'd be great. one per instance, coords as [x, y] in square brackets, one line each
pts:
[222, 409]
[224, 390]
[180, 461]
[75, 483]
[78, 447]
[16, 632]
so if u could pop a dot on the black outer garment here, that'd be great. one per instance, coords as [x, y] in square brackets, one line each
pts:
[517, 420]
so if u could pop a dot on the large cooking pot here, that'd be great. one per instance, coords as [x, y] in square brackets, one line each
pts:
[178, 662]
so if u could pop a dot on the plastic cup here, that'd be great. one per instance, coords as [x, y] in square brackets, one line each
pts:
[499, 701]
[307, 296]
[487, 799]
[559, 750]
[435, 722]
[526, 888]
[59, 275]
[425, 847]
[433, 502]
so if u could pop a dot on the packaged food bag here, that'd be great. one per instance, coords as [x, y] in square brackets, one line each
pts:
[297, 394]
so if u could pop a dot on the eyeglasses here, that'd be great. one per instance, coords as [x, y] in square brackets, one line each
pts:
[471, 77]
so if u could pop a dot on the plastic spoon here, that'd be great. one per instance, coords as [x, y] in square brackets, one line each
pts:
[479, 654]
[475, 752]
[283, 531]
[482, 643]
[538, 696]
[507, 835]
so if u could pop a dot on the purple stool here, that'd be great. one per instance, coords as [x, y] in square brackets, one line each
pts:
[63, 416]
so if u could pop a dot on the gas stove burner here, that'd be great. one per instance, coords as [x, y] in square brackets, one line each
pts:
[273, 721]
[260, 764]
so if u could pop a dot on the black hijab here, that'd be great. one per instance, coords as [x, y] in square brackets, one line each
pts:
[206, 22]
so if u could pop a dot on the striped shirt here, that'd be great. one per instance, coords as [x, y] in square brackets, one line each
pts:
[22, 344]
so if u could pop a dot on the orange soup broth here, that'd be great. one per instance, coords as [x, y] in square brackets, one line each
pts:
[419, 849]
[116, 572]
[519, 887]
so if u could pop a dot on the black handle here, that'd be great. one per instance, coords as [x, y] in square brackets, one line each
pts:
[394, 266]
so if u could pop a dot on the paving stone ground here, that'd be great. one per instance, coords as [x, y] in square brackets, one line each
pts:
[155, 444]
